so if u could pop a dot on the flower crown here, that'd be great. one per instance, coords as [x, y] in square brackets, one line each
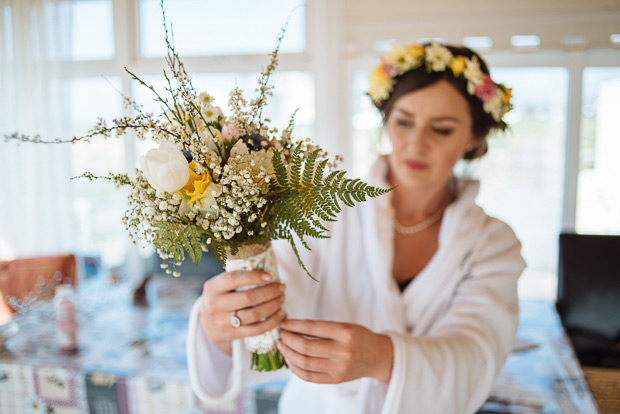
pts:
[402, 58]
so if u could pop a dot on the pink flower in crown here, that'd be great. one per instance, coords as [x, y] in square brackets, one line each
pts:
[486, 90]
[389, 70]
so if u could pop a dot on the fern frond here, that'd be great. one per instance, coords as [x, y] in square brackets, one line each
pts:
[301, 263]
[280, 171]
[175, 238]
[304, 196]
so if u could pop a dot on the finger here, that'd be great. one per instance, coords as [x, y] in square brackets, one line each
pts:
[311, 376]
[229, 281]
[308, 346]
[259, 327]
[304, 374]
[257, 313]
[319, 329]
[304, 361]
[251, 297]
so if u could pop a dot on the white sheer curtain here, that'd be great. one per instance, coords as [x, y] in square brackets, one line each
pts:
[35, 200]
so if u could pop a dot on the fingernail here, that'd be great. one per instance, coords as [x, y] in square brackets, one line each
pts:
[282, 287]
[266, 277]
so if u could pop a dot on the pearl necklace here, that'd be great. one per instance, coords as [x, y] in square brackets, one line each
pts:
[416, 228]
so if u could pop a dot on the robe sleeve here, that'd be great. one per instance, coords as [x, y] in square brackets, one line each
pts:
[217, 378]
[453, 367]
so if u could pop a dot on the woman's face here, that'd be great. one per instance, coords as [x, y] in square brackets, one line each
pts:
[430, 130]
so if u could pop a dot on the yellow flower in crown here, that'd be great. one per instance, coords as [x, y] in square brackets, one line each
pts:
[379, 73]
[196, 185]
[458, 65]
[416, 51]
[380, 82]
[507, 93]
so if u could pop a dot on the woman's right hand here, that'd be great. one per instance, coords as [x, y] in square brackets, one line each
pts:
[259, 309]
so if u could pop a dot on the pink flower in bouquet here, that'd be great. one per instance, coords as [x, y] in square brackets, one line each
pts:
[230, 131]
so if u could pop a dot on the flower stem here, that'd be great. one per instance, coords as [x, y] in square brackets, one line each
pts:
[271, 361]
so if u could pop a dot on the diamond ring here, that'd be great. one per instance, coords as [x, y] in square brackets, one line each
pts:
[235, 321]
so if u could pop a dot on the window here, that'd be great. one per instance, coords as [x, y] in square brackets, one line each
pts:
[6, 32]
[90, 30]
[367, 140]
[97, 205]
[522, 176]
[221, 28]
[598, 192]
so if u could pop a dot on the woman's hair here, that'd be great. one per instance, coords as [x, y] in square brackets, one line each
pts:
[413, 80]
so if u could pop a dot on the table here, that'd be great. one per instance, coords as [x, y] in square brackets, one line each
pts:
[132, 360]
[546, 378]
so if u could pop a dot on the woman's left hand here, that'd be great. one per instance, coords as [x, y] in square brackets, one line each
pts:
[331, 352]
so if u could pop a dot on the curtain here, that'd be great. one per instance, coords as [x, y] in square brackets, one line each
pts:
[35, 193]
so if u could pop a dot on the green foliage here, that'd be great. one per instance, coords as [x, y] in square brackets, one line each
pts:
[303, 195]
[174, 237]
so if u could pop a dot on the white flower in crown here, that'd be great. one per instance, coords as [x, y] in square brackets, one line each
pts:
[400, 58]
[495, 107]
[438, 57]
[473, 74]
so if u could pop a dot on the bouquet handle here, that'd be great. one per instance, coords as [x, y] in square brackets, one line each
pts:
[265, 355]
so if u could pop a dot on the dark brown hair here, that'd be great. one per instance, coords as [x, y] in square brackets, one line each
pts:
[413, 80]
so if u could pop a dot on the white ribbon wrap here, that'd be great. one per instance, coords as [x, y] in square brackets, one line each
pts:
[266, 260]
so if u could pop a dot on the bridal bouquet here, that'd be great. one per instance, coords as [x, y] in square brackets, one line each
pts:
[228, 182]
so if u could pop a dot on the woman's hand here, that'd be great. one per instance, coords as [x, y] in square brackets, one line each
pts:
[331, 352]
[259, 309]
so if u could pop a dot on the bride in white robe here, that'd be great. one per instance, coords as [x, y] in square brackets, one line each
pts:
[406, 317]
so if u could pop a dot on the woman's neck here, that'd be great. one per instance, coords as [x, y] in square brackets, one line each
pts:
[414, 204]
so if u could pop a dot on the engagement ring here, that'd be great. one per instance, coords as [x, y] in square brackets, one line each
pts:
[235, 321]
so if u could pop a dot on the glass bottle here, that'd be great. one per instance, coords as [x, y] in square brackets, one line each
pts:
[65, 315]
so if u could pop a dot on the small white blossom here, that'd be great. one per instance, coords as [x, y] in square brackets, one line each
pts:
[438, 57]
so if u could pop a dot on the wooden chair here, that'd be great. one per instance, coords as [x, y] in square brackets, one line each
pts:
[588, 299]
[19, 277]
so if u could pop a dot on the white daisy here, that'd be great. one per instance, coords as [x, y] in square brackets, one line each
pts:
[203, 100]
[438, 57]
[211, 113]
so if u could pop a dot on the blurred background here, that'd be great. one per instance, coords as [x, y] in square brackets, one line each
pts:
[61, 67]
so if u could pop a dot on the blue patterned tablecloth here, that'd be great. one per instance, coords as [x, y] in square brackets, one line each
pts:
[132, 360]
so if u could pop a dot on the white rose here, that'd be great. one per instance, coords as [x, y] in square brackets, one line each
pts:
[165, 168]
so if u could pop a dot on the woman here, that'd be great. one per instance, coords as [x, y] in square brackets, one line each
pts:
[416, 308]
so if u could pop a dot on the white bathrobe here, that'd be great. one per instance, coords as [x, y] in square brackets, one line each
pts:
[452, 327]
